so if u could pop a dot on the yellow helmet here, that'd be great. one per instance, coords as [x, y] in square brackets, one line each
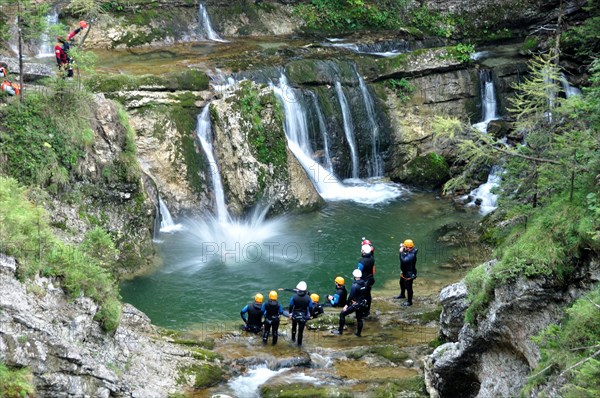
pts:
[339, 280]
[314, 297]
[272, 295]
[409, 243]
[258, 298]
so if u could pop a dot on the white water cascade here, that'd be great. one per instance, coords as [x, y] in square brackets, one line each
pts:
[248, 385]
[167, 224]
[483, 196]
[206, 29]
[326, 183]
[569, 90]
[489, 106]
[348, 128]
[204, 133]
[324, 132]
[375, 163]
[46, 49]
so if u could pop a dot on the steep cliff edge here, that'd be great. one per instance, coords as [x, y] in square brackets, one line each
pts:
[494, 357]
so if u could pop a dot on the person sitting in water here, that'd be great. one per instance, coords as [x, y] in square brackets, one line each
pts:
[254, 323]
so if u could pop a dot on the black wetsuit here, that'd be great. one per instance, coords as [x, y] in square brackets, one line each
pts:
[316, 310]
[340, 296]
[300, 307]
[272, 310]
[255, 313]
[366, 263]
[357, 302]
[408, 272]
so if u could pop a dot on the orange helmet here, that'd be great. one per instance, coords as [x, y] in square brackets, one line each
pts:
[314, 297]
[272, 295]
[409, 243]
[258, 298]
[339, 280]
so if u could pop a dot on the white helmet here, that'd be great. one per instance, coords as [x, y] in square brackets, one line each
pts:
[365, 249]
[357, 273]
[301, 286]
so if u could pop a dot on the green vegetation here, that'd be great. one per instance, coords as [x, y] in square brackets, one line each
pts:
[390, 352]
[37, 250]
[462, 52]
[570, 353]
[204, 375]
[298, 390]
[414, 385]
[401, 87]
[266, 137]
[42, 146]
[582, 39]
[548, 188]
[428, 171]
[15, 383]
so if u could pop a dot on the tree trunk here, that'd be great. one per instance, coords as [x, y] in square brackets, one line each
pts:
[20, 38]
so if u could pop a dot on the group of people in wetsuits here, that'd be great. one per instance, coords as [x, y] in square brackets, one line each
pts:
[304, 306]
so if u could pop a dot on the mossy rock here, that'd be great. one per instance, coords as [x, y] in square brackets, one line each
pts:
[299, 390]
[189, 79]
[204, 375]
[390, 352]
[316, 71]
[412, 387]
[429, 171]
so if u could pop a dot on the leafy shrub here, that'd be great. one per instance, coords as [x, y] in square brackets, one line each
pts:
[15, 383]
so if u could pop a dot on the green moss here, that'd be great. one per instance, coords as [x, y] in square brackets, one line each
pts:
[429, 171]
[298, 390]
[416, 385]
[431, 316]
[390, 352]
[205, 355]
[208, 344]
[204, 375]
[189, 79]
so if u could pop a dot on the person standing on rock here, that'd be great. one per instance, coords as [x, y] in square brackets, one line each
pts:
[366, 264]
[300, 308]
[408, 270]
[254, 310]
[271, 310]
[358, 303]
[338, 298]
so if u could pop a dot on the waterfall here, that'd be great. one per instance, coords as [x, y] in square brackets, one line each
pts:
[166, 220]
[569, 90]
[248, 384]
[376, 163]
[204, 133]
[46, 44]
[489, 105]
[206, 29]
[324, 132]
[348, 127]
[482, 196]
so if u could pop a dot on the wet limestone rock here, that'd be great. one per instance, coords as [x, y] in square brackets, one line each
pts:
[68, 353]
[494, 358]
[256, 164]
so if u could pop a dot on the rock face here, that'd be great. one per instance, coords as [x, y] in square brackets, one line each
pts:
[109, 191]
[494, 358]
[255, 164]
[67, 352]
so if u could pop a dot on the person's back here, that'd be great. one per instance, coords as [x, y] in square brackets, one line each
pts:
[272, 310]
[300, 307]
[255, 314]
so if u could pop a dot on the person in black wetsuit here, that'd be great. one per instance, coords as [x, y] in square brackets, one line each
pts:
[300, 307]
[271, 310]
[317, 309]
[408, 270]
[357, 303]
[254, 310]
[366, 264]
[338, 298]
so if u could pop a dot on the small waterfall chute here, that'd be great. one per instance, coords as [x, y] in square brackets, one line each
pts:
[482, 196]
[324, 132]
[489, 105]
[348, 128]
[167, 225]
[375, 163]
[205, 26]
[46, 49]
[570, 91]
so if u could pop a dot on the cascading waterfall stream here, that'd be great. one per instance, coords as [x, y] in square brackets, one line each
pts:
[569, 90]
[326, 183]
[324, 132]
[46, 48]
[376, 163]
[489, 104]
[206, 29]
[204, 133]
[166, 220]
[482, 196]
[348, 127]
